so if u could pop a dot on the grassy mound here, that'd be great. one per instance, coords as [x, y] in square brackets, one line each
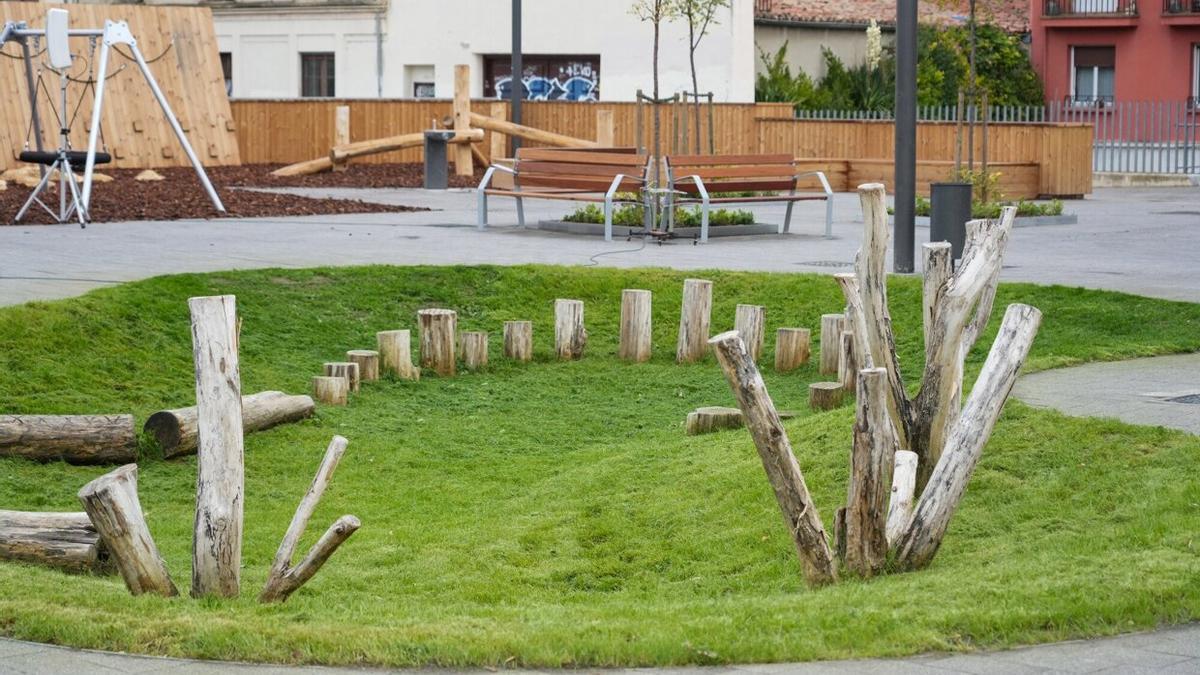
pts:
[555, 514]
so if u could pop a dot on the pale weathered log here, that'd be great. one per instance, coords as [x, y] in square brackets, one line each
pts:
[831, 343]
[871, 461]
[936, 257]
[518, 340]
[713, 418]
[368, 363]
[498, 148]
[343, 153]
[825, 395]
[111, 502]
[395, 354]
[792, 348]
[331, 389]
[64, 541]
[75, 439]
[965, 443]
[462, 118]
[347, 370]
[475, 349]
[570, 336]
[855, 321]
[529, 133]
[283, 579]
[848, 364]
[695, 320]
[904, 483]
[217, 535]
[635, 337]
[750, 322]
[438, 328]
[177, 431]
[775, 450]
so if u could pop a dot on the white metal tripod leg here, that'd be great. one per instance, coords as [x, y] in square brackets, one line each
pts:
[94, 130]
[33, 196]
[80, 212]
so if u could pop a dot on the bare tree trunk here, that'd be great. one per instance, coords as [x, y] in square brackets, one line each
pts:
[111, 502]
[870, 476]
[75, 439]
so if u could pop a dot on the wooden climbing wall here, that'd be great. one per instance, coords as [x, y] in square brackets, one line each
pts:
[181, 47]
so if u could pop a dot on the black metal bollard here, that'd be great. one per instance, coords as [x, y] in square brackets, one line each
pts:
[437, 171]
[951, 209]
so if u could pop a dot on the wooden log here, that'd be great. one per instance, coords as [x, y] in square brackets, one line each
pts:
[831, 343]
[368, 363]
[111, 502]
[499, 142]
[438, 328]
[63, 541]
[695, 320]
[792, 348]
[750, 323]
[283, 579]
[331, 389]
[75, 439]
[177, 431]
[713, 418]
[936, 266]
[529, 133]
[964, 445]
[462, 118]
[305, 168]
[825, 395]
[217, 535]
[475, 349]
[570, 336]
[848, 364]
[341, 132]
[635, 341]
[605, 129]
[904, 483]
[775, 450]
[347, 370]
[395, 354]
[344, 153]
[871, 462]
[518, 340]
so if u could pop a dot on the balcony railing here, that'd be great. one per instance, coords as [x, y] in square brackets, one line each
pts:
[1094, 8]
[1181, 7]
[1082, 101]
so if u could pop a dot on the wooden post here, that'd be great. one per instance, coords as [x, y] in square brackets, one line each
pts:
[713, 418]
[462, 119]
[341, 132]
[848, 364]
[475, 349]
[792, 347]
[695, 320]
[570, 337]
[177, 431]
[368, 363]
[605, 130]
[64, 541]
[437, 330]
[870, 476]
[331, 389]
[825, 395]
[904, 482]
[499, 144]
[749, 322]
[217, 537]
[518, 340]
[775, 450]
[75, 439]
[347, 370]
[111, 502]
[635, 326]
[395, 354]
[831, 342]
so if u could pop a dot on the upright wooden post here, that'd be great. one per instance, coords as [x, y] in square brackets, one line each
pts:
[749, 322]
[462, 118]
[498, 147]
[368, 363]
[347, 370]
[635, 343]
[217, 537]
[695, 320]
[831, 342]
[792, 348]
[395, 353]
[330, 389]
[475, 349]
[848, 364]
[570, 337]
[437, 331]
[605, 129]
[341, 132]
[518, 340]
[871, 460]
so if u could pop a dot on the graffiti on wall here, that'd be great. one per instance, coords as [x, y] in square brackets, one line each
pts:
[576, 88]
[546, 78]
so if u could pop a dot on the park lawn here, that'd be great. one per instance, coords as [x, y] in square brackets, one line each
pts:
[554, 514]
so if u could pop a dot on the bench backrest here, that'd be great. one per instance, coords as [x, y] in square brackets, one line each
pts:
[734, 173]
[592, 170]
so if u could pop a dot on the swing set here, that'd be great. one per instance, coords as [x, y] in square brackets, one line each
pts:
[63, 162]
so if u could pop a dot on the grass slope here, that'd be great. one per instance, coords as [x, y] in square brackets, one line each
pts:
[554, 514]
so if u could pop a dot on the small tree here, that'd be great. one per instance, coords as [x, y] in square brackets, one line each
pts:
[655, 12]
[700, 16]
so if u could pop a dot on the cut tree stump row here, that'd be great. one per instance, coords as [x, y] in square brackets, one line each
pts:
[570, 337]
[331, 389]
[177, 430]
[438, 329]
[347, 370]
[635, 336]
[792, 348]
[368, 364]
[518, 340]
[475, 350]
[695, 320]
[395, 354]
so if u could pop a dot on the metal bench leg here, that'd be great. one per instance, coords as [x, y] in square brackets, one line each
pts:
[482, 209]
[608, 220]
[520, 212]
[787, 219]
[829, 217]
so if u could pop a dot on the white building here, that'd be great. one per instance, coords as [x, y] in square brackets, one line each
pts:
[575, 49]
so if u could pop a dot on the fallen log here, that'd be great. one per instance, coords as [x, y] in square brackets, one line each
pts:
[64, 541]
[177, 431]
[343, 153]
[75, 439]
[529, 133]
[111, 502]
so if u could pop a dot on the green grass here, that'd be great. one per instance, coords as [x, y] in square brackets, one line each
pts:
[555, 514]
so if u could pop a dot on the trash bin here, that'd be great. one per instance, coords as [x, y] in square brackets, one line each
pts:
[950, 211]
[437, 172]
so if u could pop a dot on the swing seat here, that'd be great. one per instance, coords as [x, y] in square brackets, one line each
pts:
[77, 158]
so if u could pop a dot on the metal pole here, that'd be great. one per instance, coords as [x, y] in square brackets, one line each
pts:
[37, 119]
[94, 130]
[906, 136]
[518, 72]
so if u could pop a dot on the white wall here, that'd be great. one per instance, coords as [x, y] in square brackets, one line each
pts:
[804, 44]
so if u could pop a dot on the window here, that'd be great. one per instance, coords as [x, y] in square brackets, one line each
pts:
[423, 90]
[227, 71]
[1093, 75]
[546, 77]
[316, 74]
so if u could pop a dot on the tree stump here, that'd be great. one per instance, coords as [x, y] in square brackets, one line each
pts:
[831, 342]
[177, 431]
[368, 363]
[792, 348]
[871, 460]
[570, 337]
[395, 354]
[695, 321]
[713, 418]
[518, 340]
[475, 349]
[347, 370]
[848, 364]
[75, 439]
[438, 328]
[825, 395]
[111, 502]
[635, 343]
[331, 389]
[749, 322]
[63, 541]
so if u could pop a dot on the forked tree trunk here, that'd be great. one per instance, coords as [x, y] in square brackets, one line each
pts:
[570, 337]
[111, 502]
[75, 439]
[518, 340]
[475, 350]
[792, 348]
[831, 342]
[64, 541]
[695, 321]
[177, 431]
[395, 354]
[635, 343]
[750, 323]
[331, 390]
[870, 476]
[438, 328]
[368, 363]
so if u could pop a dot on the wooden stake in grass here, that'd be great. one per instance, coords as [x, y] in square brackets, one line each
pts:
[177, 431]
[475, 349]
[831, 342]
[695, 321]
[75, 439]
[217, 537]
[870, 476]
[825, 395]
[331, 389]
[347, 370]
[749, 322]
[283, 579]
[368, 364]
[792, 348]
[438, 328]
[775, 450]
[64, 541]
[518, 340]
[395, 354]
[635, 343]
[570, 337]
[111, 502]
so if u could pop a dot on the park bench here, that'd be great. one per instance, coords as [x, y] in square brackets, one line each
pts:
[701, 179]
[571, 175]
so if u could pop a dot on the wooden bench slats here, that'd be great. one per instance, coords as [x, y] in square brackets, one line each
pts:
[726, 160]
[740, 200]
[600, 185]
[568, 196]
[736, 185]
[582, 157]
[719, 172]
[528, 167]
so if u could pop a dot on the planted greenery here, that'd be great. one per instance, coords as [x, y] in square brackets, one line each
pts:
[1025, 209]
[632, 216]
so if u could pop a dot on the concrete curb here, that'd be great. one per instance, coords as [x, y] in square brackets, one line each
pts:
[1124, 180]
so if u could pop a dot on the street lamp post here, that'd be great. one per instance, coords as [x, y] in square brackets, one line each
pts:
[518, 70]
[906, 136]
